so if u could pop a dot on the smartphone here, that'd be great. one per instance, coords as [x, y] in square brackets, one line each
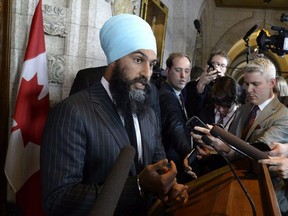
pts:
[262, 146]
[192, 156]
[211, 66]
[195, 121]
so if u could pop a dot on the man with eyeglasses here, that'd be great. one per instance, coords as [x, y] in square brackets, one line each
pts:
[197, 92]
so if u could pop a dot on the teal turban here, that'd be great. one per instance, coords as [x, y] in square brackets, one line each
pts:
[125, 33]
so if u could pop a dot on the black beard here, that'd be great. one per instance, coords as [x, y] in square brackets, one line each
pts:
[129, 100]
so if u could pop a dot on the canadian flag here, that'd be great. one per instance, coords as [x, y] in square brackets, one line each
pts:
[22, 167]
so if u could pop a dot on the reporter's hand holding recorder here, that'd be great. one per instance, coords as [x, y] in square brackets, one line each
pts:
[204, 150]
[278, 161]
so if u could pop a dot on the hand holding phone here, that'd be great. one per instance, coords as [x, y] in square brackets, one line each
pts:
[195, 121]
[211, 66]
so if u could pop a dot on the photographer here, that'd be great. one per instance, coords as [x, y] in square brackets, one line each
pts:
[197, 92]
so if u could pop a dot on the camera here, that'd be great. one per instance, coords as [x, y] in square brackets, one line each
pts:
[277, 43]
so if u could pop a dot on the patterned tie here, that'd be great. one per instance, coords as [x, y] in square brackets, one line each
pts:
[181, 99]
[220, 121]
[249, 121]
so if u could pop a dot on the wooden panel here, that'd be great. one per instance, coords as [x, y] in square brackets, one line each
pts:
[219, 193]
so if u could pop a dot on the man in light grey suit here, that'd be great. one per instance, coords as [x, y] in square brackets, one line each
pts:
[271, 123]
[85, 133]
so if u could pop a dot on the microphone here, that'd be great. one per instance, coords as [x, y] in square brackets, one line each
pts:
[107, 200]
[250, 32]
[238, 144]
[207, 141]
[197, 25]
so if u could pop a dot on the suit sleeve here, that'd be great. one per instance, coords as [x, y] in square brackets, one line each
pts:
[195, 101]
[62, 162]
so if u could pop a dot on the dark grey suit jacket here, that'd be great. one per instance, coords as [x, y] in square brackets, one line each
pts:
[82, 139]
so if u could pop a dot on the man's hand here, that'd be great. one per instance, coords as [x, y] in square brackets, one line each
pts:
[217, 143]
[187, 167]
[152, 181]
[278, 149]
[278, 165]
[205, 79]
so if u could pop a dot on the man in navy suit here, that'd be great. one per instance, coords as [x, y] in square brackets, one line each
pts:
[175, 135]
[85, 133]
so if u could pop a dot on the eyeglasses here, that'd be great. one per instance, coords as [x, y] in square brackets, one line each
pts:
[219, 65]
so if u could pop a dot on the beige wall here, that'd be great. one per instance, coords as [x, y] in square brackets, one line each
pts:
[72, 31]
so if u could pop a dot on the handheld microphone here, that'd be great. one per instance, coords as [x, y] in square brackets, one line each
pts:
[250, 32]
[107, 200]
[238, 144]
[197, 25]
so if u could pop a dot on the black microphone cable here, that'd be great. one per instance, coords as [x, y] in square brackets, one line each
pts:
[207, 141]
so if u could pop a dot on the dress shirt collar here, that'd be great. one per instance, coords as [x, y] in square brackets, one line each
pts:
[263, 105]
[105, 84]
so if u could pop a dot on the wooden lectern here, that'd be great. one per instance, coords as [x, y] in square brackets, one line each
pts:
[219, 193]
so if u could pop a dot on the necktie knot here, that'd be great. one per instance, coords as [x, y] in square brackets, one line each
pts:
[255, 109]
[221, 119]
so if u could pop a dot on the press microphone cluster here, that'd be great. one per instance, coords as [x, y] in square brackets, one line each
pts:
[238, 144]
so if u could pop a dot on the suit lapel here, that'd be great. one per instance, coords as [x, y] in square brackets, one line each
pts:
[106, 110]
[167, 86]
[264, 114]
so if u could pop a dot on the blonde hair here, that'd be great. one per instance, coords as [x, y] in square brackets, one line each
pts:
[262, 65]
[281, 87]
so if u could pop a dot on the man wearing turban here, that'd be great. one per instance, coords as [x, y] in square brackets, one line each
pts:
[85, 133]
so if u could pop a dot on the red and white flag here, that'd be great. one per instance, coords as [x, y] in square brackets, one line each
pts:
[22, 167]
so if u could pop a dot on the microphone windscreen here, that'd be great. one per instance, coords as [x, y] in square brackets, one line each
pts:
[250, 31]
[237, 143]
[112, 188]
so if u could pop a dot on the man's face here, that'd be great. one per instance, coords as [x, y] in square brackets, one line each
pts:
[258, 88]
[129, 84]
[220, 63]
[137, 65]
[178, 75]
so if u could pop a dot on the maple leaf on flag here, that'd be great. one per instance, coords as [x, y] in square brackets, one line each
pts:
[31, 110]
[22, 165]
